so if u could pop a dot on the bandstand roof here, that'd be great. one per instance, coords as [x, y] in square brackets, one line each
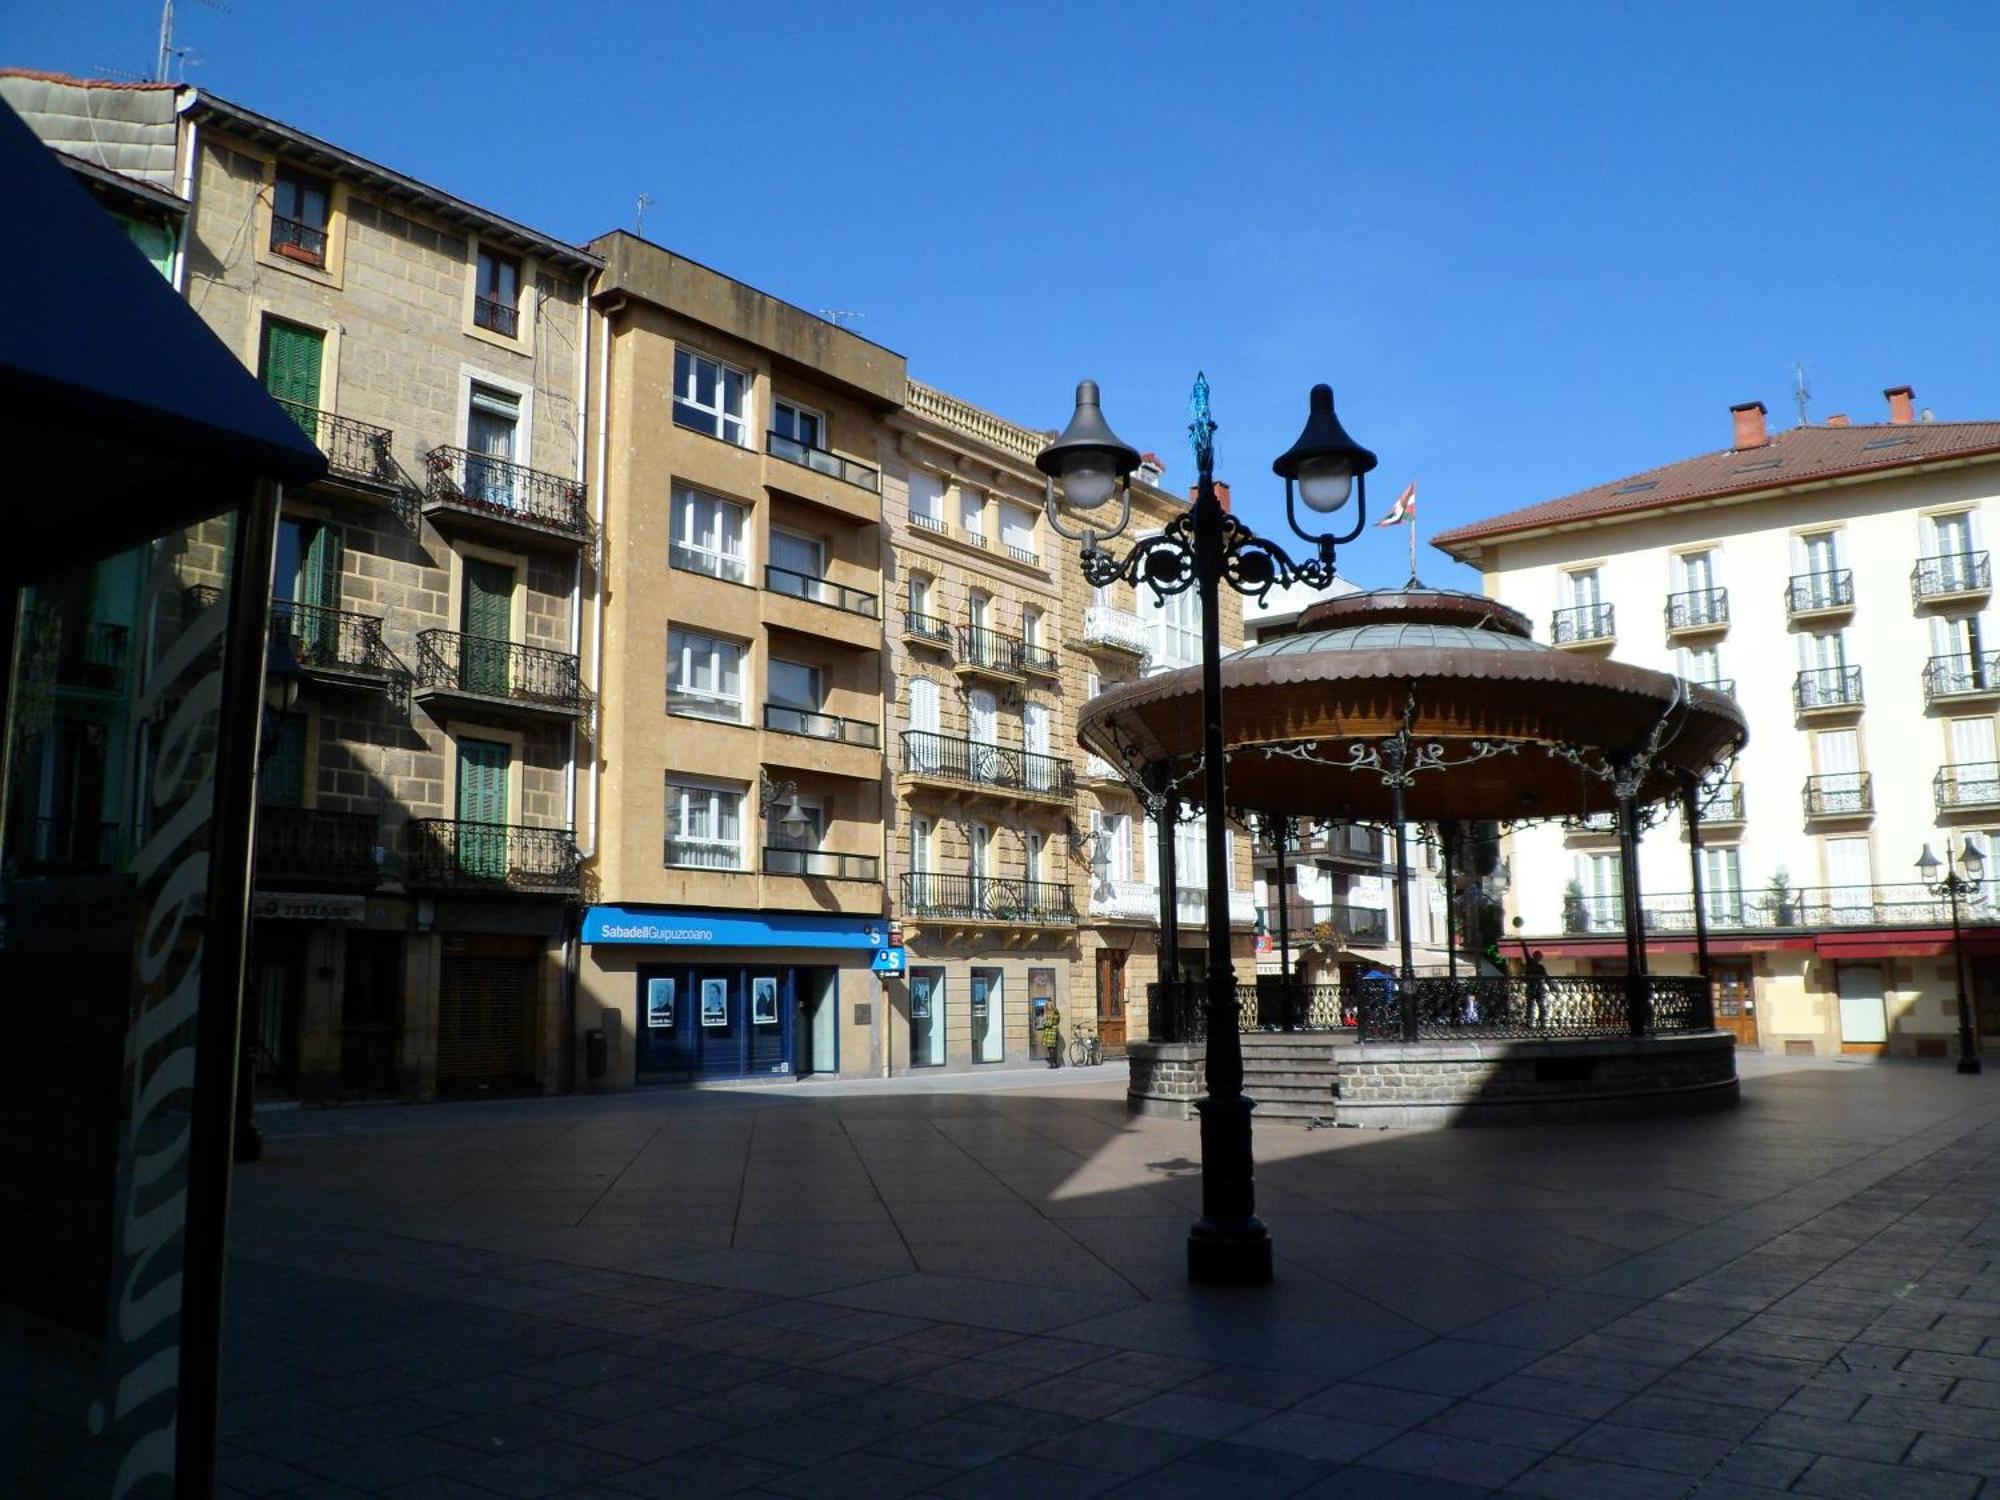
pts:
[1500, 726]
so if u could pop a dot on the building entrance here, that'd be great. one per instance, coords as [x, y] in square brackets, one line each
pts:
[727, 1021]
[1735, 1003]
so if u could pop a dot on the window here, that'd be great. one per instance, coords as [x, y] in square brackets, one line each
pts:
[1032, 845]
[1584, 588]
[1031, 625]
[794, 684]
[704, 825]
[1702, 664]
[299, 217]
[710, 397]
[1017, 533]
[708, 536]
[920, 596]
[1851, 874]
[800, 424]
[1173, 627]
[804, 557]
[920, 846]
[1722, 885]
[1603, 893]
[704, 677]
[496, 295]
[1697, 572]
[972, 514]
[491, 422]
[926, 501]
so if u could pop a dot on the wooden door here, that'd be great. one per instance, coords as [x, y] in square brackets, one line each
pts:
[1111, 1001]
[1735, 1003]
[487, 622]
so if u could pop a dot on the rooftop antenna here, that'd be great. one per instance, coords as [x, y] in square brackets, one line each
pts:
[1801, 392]
[834, 315]
[163, 67]
[646, 201]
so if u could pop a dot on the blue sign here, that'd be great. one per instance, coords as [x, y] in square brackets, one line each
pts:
[890, 961]
[657, 927]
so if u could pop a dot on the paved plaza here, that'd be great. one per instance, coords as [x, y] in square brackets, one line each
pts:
[973, 1288]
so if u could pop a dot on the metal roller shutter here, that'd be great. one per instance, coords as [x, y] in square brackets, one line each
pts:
[486, 1022]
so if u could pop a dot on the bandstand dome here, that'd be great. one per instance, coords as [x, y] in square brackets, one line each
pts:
[1500, 726]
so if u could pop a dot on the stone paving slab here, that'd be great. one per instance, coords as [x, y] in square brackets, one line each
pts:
[976, 1291]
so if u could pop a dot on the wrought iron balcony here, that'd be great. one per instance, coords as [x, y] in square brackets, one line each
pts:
[1040, 659]
[820, 461]
[1354, 844]
[503, 318]
[1125, 900]
[1729, 909]
[497, 673]
[983, 650]
[1698, 609]
[452, 854]
[493, 495]
[977, 764]
[1723, 685]
[1322, 922]
[1820, 689]
[1108, 629]
[1840, 794]
[337, 645]
[986, 898]
[358, 452]
[1953, 575]
[1967, 784]
[314, 847]
[1583, 624]
[1947, 677]
[819, 591]
[92, 655]
[782, 719]
[1723, 804]
[298, 240]
[817, 864]
[62, 846]
[1820, 593]
[928, 630]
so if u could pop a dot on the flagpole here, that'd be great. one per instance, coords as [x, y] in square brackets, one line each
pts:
[1413, 544]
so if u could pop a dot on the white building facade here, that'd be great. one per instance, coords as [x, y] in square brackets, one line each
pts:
[1835, 578]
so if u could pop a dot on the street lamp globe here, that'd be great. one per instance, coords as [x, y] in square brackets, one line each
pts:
[1325, 461]
[1971, 861]
[1089, 459]
[1927, 866]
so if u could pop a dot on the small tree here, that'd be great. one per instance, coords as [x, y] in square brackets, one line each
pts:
[1779, 897]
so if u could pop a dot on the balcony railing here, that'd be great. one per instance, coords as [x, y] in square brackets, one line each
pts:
[503, 491]
[817, 864]
[1582, 623]
[929, 629]
[1827, 687]
[354, 450]
[309, 845]
[936, 525]
[1191, 907]
[90, 656]
[1727, 909]
[781, 718]
[1723, 804]
[987, 898]
[976, 763]
[1817, 593]
[1041, 659]
[1026, 555]
[1129, 900]
[1961, 677]
[1322, 922]
[1115, 630]
[62, 846]
[1839, 794]
[1953, 573]
[1698, 609]
[1723, 685]
[451, 663]
[1346, 843]
[980, 647]
[1097, 768]
[1439, 1007]
[820, 461]
[1967, 784]
[336, 642]
[297, 240]
[449, 853]
[503, 318]
[819, 591]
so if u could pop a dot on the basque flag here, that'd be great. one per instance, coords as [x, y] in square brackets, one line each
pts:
[1405, 507]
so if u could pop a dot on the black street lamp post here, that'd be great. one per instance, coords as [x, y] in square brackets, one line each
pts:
[1228, 1245]
[1954, 887]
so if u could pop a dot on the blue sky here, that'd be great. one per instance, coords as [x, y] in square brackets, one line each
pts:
[1531, 246]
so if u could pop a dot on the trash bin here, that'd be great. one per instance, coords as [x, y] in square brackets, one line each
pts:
[596, 1053]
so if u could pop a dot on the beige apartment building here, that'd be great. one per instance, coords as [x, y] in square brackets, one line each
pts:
[1835, 578]
[734, 853]
[1022, 872]
[415, 864]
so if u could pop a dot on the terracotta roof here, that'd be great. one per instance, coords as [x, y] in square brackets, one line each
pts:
[1799, 455]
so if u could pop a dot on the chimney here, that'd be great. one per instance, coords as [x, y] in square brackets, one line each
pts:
[1838, 419]
[1750, 432]
[1221, 494]
[1902, 404]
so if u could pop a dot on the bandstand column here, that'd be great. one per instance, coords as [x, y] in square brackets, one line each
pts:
[1691, 814]
[1445, 839]
[1284, 832]
[1170, 930]
[1407, 987]
[1636, 1008]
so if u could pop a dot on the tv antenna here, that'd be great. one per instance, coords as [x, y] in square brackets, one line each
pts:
[645, 201]
[1801, 392]
[169, 53]
[834, 315]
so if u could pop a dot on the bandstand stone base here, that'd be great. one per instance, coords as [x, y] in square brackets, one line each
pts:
[1428, 1085]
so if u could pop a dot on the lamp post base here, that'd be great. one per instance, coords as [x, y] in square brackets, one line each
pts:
[1228, 1245]
[1229, 1254]
[1970, 1065]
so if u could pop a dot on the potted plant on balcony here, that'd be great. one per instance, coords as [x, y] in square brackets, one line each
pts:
[1576, 916]
[1781, 900]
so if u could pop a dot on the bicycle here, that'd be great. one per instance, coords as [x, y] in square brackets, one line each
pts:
[1084, 1051]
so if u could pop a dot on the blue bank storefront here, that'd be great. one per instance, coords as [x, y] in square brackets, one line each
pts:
[686, 994]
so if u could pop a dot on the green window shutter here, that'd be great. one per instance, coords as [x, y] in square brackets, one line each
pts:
[482, 799]
[292, 365]
[488, 621]
[319, 570]
[281, 782]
